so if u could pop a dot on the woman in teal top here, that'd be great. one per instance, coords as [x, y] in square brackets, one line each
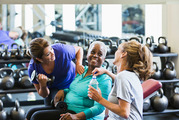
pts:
[76, 96]
[77, 99]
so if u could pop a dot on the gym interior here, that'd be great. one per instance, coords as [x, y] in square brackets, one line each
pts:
[153, 23]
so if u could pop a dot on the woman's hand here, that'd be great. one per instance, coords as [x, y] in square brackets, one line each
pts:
[94, 94]
[68, 116]
[79, 68]
[42, 79]
[98, 71]
[59, 96]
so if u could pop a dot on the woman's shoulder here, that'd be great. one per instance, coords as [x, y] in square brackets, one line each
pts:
[104, 77]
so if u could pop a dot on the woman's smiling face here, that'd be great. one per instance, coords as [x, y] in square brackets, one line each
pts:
[96, 56]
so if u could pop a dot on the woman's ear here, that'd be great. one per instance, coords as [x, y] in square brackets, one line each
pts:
[124, 54]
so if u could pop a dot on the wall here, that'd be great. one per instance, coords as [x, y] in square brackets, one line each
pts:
[172, 25]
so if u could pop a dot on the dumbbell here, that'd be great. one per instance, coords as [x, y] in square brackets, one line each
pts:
[35, 76]
[60, 105]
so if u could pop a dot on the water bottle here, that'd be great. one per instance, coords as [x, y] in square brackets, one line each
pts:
[94, 82]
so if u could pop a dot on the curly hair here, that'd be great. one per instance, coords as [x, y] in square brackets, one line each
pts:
[139, 59]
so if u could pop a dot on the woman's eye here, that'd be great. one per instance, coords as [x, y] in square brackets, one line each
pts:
[100, 54]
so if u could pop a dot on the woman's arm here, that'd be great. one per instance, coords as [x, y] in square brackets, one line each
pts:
[122, 109]
[42, 88]
[100, 71]
[79, 59]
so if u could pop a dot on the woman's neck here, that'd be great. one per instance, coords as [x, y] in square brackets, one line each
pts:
[48, 67]
[89, 72]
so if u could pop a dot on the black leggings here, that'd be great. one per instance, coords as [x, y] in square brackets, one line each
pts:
[45, 113]
[47, 100]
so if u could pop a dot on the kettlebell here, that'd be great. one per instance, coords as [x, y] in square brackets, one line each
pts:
[2, 47]
[141, 39]
[114, 69]
[24, 79]
[108, 44]
[149, 44]
[136, 38]
[14, 47]
[17, 113]
[162, 46]
[106, 64]
[19, 52]
[169, 70]
[158, 73]
[121, 41]
[146, 105]
[83, 43]
[3, 113]
[6, 55]
[159, 102]
[6, 80]
[174, 100]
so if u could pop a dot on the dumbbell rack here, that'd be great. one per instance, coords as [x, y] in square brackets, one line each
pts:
[165, 83]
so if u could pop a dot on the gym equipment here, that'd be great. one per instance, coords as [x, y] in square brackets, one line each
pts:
[108, 44]
[121, 41]
[174, 100]
[60, 105]
[19, 53]
[150, 88]
[146, 105]
[158, 73]
[13, 51]
[162, 46]
[83, 43]
[159, 102]
[70, 37]
[6, 80]
[49, 81]
[137, 39]
[141, 39]
[169, 70]
[149, 44]
[3, 113]
[6, 97]
[24, 79]
[2, 46]
[6, 55]
[114, 69]
[106, 64]
[17, 113]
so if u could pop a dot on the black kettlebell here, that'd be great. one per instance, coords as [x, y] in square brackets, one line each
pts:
[141, 39]
[121, 41]
[19, 52]
[3, 113]
[174, 100]
[169, 70]
[6, 80]
[6, 55]
[146, 105]
[105, 64]
[149, 44]
[14, 47]
[162, 45]
[6, 97]
[136, 38]
[108, 44]
[2, 47]
[17, 113]
[114, 69]
[159, 102]
[24, 79]
[83, 43]
[158, 73]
